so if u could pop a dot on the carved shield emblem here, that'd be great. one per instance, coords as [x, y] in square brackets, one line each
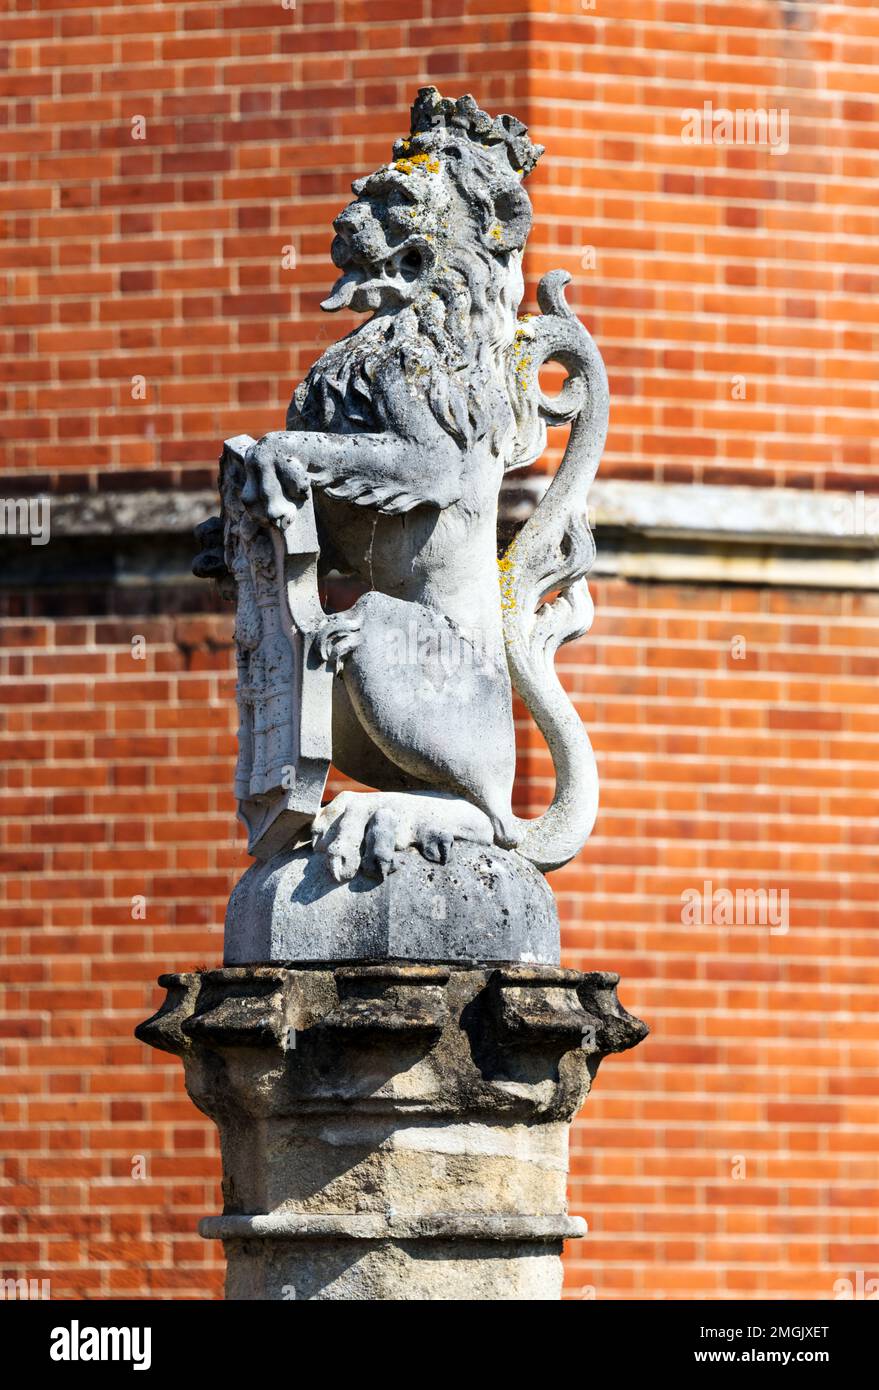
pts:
[284, 687]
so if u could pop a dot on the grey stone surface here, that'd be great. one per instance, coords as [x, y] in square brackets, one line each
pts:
[392, 1132]
[484, 904]
[395, 1271]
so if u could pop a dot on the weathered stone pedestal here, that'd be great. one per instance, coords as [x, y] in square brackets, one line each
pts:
[392, 1131]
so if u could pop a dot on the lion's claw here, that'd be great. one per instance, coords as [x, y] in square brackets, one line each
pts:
[380, 844]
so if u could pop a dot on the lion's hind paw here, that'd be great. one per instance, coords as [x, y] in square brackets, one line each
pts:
[339, 636]
[366, 830]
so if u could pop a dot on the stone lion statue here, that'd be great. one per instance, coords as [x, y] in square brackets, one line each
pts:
[397, 443]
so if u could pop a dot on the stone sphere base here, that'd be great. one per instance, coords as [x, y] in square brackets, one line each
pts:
[485, 905]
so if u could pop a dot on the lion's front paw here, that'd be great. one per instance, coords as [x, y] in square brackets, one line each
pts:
[274, 476]
[365, 830]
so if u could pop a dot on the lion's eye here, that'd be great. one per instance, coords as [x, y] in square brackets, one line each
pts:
[410, 265]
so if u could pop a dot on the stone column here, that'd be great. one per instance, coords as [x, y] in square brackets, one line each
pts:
[392, 1131]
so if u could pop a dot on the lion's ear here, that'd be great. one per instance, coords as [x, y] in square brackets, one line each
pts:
[511, 221]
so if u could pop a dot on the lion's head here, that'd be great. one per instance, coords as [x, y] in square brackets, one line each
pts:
[432, 247]
[454, 185]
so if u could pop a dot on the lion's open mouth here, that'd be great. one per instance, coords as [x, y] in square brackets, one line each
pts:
[394, 280]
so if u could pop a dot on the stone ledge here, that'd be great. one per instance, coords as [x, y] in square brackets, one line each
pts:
[756, 515]
[705, 534]
[784, 516]
[661, 532]
[151, 512]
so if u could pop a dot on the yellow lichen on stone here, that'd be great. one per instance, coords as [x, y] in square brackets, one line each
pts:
[506, 579]
[417, 161]
[524, 360]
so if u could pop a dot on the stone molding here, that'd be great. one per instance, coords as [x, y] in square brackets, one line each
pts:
[439, 1226]
[661, 531]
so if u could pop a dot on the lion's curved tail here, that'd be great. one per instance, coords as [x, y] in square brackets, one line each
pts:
[554, 551]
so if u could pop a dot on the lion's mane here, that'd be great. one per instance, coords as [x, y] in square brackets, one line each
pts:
[452, 352]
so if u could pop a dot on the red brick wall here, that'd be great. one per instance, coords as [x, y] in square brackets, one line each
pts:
[117, 787]
[163, 258]
[733, 1154]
